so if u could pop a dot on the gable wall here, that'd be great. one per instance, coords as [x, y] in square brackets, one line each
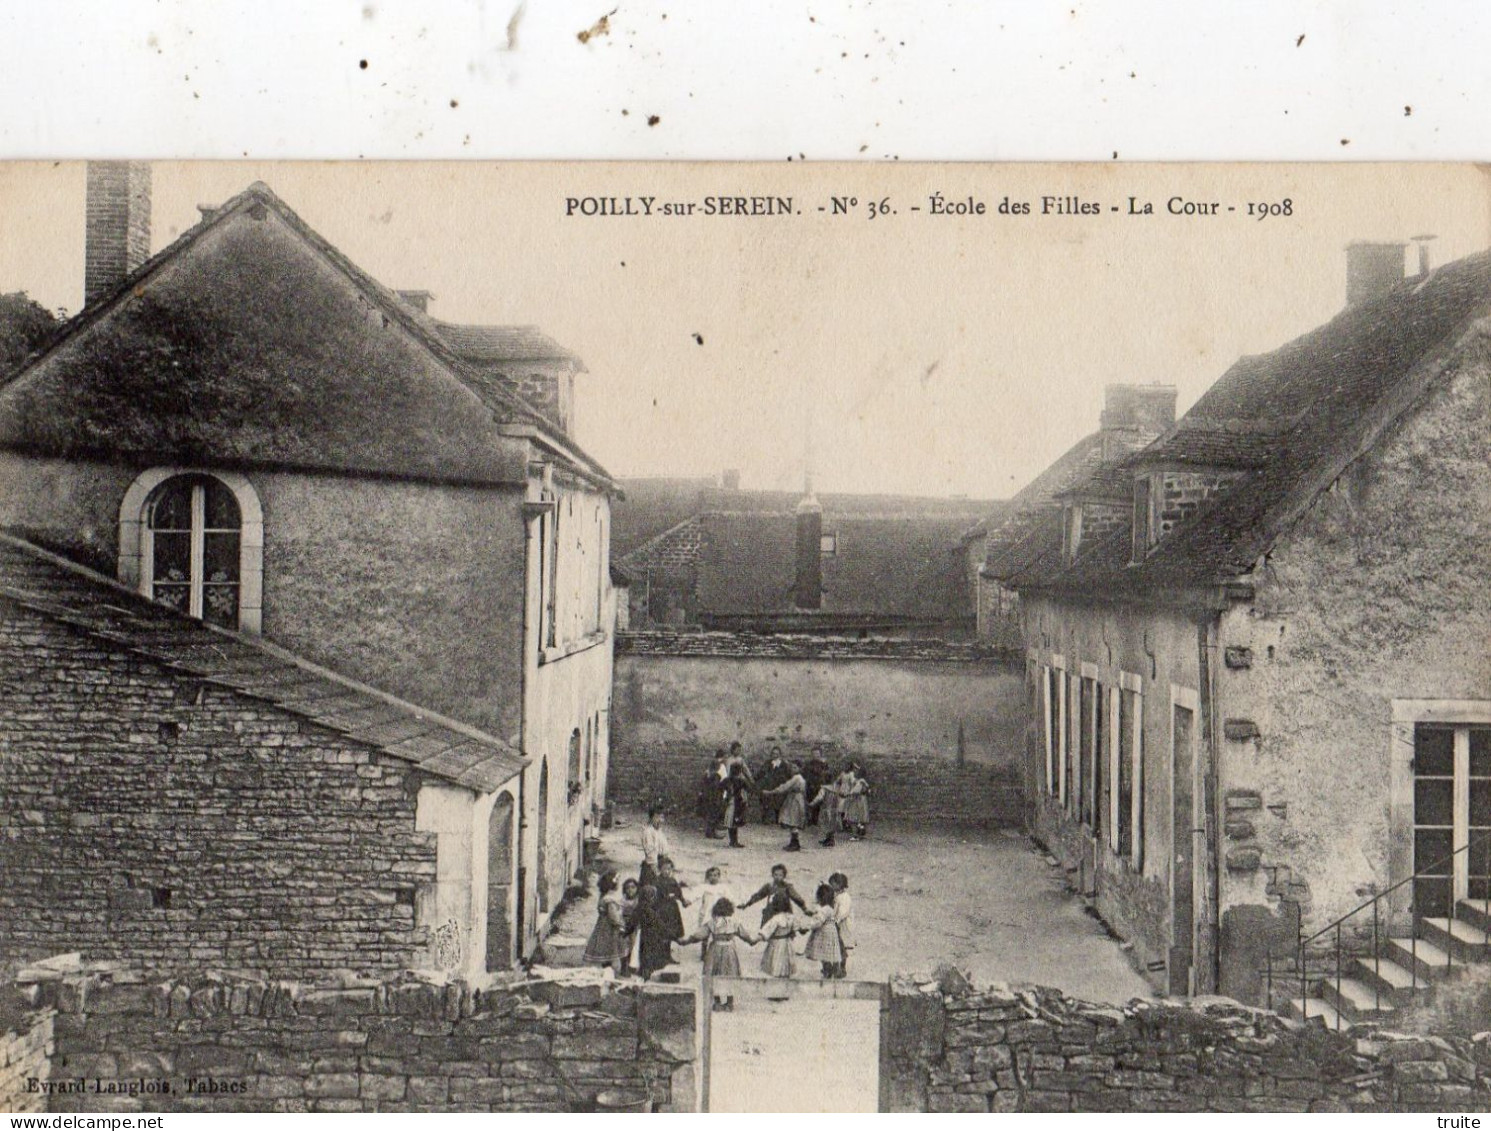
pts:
[1379, 593]
[413, 588]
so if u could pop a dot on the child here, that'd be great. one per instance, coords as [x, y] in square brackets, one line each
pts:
[844, 916]
[654, 932]
[794, 812]
[718, 936]
[629, 917]
[608, 945]
[857, 803]
[670, 896]
[712, 891]
[829, 803]
[823, 943]
[654, 845]
[773, 892]
[778, 960]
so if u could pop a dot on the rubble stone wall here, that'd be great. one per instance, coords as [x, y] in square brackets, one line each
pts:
[938, 737]
[154, 816]
[238, 1044]
[1034, 1050]
[25, 1055]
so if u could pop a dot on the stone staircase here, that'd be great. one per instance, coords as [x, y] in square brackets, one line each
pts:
[1404, 973]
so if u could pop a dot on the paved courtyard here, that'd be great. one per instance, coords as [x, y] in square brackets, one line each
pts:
[986, 901]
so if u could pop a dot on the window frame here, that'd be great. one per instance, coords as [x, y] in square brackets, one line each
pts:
[136, 551]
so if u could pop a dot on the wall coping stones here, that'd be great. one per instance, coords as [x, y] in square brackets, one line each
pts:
[774, 646]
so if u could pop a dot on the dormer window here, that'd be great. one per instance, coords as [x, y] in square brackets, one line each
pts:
[1071, 531]
[1146, 514]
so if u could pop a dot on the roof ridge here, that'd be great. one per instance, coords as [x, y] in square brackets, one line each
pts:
[657, 539]
[384, 297]
[255, 643]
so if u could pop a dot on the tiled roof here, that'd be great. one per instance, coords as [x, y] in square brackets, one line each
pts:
[1293, 420]
[486, 345]
[88, 602]
[905, 568]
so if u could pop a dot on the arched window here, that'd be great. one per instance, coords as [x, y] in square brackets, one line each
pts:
[198, 545]
[194, 529]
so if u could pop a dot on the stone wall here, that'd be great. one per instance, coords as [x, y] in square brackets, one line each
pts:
[774, 646]
[25, 1059]
[222, 1043]
[950, 1047]
[938, 737]
[155, 816]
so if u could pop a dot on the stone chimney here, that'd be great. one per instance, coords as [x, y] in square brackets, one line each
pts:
[1372, 269]
[117, 236]
[1422, 243]
[730, 479]
[807, 592]
[420, 300]
[1134, 416]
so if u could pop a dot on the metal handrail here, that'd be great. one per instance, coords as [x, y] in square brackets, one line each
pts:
[1427, 870]
[1302, 941]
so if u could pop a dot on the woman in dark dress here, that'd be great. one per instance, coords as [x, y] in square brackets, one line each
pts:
[655, 933]
[671, 898]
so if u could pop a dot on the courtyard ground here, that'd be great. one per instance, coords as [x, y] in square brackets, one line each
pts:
[986, 901]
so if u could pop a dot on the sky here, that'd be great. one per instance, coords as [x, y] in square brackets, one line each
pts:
[905, 352]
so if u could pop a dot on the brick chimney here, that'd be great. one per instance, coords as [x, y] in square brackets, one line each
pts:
[1372, 269]
[1134, 416]
[117, 236]
[730, 479]
[807, 592]
[420, 300]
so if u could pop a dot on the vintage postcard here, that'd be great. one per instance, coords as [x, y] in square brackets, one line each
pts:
[745, 638]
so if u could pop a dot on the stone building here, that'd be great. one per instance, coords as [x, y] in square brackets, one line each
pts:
[249, 429]
[1257, 685]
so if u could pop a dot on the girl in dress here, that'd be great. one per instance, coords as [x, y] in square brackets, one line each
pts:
[857, 803]
[830, 804]
[844, 916]
[718, 936]
[823, 941]
[608, 944]
[712, 891]
[794, 811]
[629, 892]
[777, 960]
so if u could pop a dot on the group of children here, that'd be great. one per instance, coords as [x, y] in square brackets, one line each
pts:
[790, 795]
[647, 918]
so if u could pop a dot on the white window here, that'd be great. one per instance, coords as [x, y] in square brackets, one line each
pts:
[828, 544]
[194, 541]
[1054, 691]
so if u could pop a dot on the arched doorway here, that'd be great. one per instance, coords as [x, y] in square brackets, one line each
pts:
[543, 837]
[499, 883]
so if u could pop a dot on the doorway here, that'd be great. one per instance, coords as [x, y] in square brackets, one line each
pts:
[1182, 838]
[500, 883]
[542, 858]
